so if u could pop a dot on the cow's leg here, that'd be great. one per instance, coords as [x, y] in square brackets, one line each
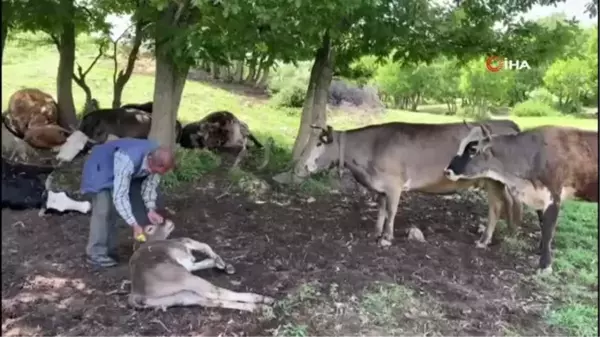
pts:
[210, 291]
[381, 215]
[393, 197]
[549, 219]
[214, 260]
[495, 203]
[242, 152]
[190, 298]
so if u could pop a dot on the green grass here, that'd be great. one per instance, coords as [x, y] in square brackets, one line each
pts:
[574, 283]
[575, 280]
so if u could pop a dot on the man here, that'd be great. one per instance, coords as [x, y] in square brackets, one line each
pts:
[122, 175]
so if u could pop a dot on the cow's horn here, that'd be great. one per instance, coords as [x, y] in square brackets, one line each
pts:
[486, 131]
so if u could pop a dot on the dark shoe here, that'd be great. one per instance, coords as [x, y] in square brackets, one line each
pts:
[114, 256]
[101, 261]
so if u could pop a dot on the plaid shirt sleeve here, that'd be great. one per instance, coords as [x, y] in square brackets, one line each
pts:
[149, 194]
[123, 171]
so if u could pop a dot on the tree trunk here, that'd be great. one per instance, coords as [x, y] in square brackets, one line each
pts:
[168, 88]
[66, 63]
[120, 80]
[251, 69]
[239, 71]
[315, 104]
[262, 83]
[4, 35]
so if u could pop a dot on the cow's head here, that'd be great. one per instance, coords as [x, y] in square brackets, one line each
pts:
[326, 151]
[475, 157]
[160, 231]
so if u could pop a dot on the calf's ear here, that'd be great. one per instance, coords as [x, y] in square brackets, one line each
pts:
[150, 229]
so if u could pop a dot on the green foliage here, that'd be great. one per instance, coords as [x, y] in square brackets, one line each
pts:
[444, 84]
[191, 165]
[406, 84]
[288, 84]
[534, 108]
[481, 88]
[543, 95]
[570, 81]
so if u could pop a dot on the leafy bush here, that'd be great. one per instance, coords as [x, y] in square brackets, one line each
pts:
[291, 96]
[543, 95]
[191, 165]
[534, 108]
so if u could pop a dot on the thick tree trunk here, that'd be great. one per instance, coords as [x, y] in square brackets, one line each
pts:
[251, 69]
[168, 88]
[64, 79]
[315, 104]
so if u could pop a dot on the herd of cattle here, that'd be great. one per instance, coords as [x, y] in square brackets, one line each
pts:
[540, 167]
[32, 115]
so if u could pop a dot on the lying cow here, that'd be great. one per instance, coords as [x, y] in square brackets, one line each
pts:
[161, 275]
[220, 130]
[542, 167]
[32, 115]
[395, 157]
[147, 107]
[98, 126]
[31, 107]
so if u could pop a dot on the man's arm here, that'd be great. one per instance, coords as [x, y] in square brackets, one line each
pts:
[149, 194]
[123, 171]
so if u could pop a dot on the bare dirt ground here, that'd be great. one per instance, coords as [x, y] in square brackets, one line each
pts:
[314, 257]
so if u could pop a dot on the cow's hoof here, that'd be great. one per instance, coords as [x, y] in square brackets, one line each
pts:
[382, 242]
[480, 244]
[229, 269]
[544, 271]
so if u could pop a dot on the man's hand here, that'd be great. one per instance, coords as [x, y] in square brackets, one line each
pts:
[137, 231]
[155, 218]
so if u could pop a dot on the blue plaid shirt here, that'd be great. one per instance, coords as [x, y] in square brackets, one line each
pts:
[124, 172]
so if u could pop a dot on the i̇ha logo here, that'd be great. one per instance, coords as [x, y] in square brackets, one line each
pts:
[497, 63]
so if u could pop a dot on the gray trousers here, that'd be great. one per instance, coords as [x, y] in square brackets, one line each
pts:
[103, 238]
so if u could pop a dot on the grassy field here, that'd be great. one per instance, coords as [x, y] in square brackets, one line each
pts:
[574, 287]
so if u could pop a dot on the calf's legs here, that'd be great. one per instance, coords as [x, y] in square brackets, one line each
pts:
[393, 198]
[190, 298]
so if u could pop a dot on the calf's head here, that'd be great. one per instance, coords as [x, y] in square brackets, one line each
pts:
[326, 151]
[475, 157]
[160, 231]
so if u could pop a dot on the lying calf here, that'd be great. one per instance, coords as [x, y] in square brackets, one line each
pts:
[161, 277]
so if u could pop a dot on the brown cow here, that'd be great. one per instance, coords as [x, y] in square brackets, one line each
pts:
[29, 108]
[542, 167]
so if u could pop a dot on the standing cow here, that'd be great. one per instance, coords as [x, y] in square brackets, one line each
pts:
[395, 157]
[542, 167]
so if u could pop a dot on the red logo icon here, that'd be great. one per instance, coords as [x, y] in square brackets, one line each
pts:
[494, 63]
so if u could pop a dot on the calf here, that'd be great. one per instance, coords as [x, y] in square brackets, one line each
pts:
[220, 130]
[161, 275]
[394, 157]
[542, 167]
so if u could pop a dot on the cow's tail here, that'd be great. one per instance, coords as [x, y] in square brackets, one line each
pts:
[255, 141]
[267, 153]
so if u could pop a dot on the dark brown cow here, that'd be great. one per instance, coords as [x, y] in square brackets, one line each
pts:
[219, 130]
[147, 107]
[542, 167]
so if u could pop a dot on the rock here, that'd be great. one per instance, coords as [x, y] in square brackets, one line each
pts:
[415, 234]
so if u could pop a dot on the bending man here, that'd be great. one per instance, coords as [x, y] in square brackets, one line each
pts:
[122, 175]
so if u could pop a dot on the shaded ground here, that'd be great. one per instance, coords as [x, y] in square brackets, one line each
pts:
[312, 256]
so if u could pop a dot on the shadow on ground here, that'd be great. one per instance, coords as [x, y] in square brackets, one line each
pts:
[313, 256]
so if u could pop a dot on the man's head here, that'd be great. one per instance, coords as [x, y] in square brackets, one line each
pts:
[161, 160]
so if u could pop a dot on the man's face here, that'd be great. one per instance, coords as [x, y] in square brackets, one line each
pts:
[158, 169]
